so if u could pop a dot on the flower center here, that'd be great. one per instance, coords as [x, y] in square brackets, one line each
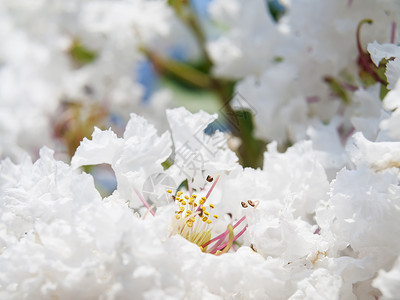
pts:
[194, 221]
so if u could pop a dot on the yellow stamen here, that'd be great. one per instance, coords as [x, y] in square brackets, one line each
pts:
[169, 191]
[212, 206]
[215, 216]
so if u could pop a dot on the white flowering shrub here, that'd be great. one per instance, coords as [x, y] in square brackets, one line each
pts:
[284, 186]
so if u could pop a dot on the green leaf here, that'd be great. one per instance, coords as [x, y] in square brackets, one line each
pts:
[80, 54]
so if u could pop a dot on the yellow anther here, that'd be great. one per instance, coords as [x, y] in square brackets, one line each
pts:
[205, 219]
[215, 216]
[186, 197]
[177, 217]
[208, 221]
[191, 202]
[183, 202]
[194, 196]
[203, 198]
[212, 206]
[192, 219]
[169, 191]
[179, 193]
[195, 204]
[201, 202]
[189, 224]
[203, 208]
[206, 213]
[182, 209]
[189, 212]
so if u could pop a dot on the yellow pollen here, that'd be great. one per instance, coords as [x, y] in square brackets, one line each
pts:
[192, 220]
[215, 216]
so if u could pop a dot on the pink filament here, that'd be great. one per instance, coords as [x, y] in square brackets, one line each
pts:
[312, 99]
[212, 187]
[220, 238]
[144, 202]
[393, 32]
[210, 190]
[213, 251]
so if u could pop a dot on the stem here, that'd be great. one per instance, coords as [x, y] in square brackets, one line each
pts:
[181, 70]
[184, 11]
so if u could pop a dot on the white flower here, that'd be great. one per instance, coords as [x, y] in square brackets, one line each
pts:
[280, 113]
[196, 153]
[368, 112]
[360, 212]
[133, 158]
[391, 52]
[247, 45]
[392, 103]
[389, 282]
[378, 156]
[321, 284]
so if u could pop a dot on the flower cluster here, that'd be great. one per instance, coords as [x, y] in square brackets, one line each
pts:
[314, 109]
